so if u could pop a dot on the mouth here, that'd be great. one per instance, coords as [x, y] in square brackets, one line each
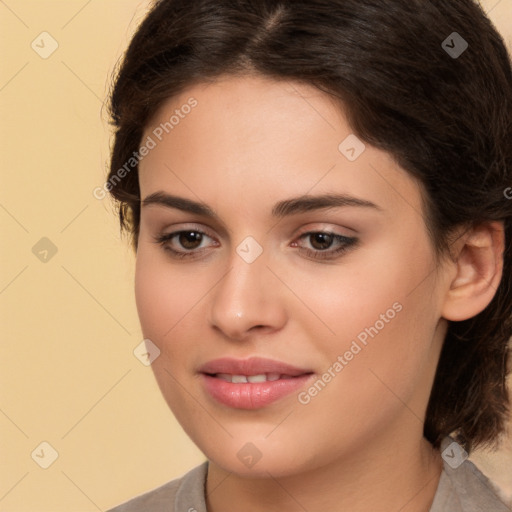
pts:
[251, 383]
[262, 377]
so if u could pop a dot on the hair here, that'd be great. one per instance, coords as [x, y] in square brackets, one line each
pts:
[446, 120]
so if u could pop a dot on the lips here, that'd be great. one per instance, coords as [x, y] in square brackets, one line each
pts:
[251, 366]
[251, 383]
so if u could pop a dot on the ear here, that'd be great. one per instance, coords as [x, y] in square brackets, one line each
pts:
[476, 271]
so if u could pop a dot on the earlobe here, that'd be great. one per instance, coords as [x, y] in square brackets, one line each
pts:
[478, 267]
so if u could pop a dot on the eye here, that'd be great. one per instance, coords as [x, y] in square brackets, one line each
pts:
[322, 243]
[188, 243]
[190, 240]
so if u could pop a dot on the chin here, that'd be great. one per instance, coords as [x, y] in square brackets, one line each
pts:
[257, 457]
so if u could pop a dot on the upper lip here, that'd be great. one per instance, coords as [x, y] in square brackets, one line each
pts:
[251, 366]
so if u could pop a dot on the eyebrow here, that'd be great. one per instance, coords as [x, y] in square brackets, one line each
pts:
[281, 209]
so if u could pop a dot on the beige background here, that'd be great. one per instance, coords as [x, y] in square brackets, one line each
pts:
[68, 375]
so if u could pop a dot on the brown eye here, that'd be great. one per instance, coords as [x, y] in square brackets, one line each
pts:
[185, 243]
[321, 241]
[190, 239]
[326, 245]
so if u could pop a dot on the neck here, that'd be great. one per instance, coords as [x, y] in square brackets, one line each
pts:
[402, 474]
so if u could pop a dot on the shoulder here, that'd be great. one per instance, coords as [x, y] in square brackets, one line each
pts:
[463, 487]
[166, 497]
[159, 499]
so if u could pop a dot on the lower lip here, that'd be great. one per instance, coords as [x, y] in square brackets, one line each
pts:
[252, 395]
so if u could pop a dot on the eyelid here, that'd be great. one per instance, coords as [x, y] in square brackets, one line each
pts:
[186, 226]
[160, 220]
[311, 228]
[326, 227]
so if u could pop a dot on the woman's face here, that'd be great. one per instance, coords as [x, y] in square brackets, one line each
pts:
[355, 311]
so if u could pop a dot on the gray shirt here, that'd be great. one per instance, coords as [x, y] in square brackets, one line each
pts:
[460, 489]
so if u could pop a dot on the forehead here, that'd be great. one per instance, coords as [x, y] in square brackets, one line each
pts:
[268, 139]
[236, 114]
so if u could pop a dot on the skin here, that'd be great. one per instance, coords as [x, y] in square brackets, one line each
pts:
[358, 444]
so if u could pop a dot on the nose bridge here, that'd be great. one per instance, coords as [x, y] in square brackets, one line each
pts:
[247, 296]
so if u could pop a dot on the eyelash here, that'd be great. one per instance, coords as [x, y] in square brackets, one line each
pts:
[328, 254]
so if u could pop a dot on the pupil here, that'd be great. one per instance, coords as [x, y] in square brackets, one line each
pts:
[189, 239]
[324, 239]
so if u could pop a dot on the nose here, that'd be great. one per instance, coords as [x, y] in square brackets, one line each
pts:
[247, 300]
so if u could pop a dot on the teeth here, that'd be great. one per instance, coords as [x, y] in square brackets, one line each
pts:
[262, 377]
[257, 378]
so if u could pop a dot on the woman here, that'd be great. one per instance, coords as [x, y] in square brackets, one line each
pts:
[317, 196]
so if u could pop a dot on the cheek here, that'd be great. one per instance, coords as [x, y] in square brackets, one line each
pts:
[164, 302]
[369, 296]
[163, 296]
[170, 303]
[383, 321]
[152, 294]
[383, 366]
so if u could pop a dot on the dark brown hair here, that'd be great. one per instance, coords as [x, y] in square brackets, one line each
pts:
[408, 86]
